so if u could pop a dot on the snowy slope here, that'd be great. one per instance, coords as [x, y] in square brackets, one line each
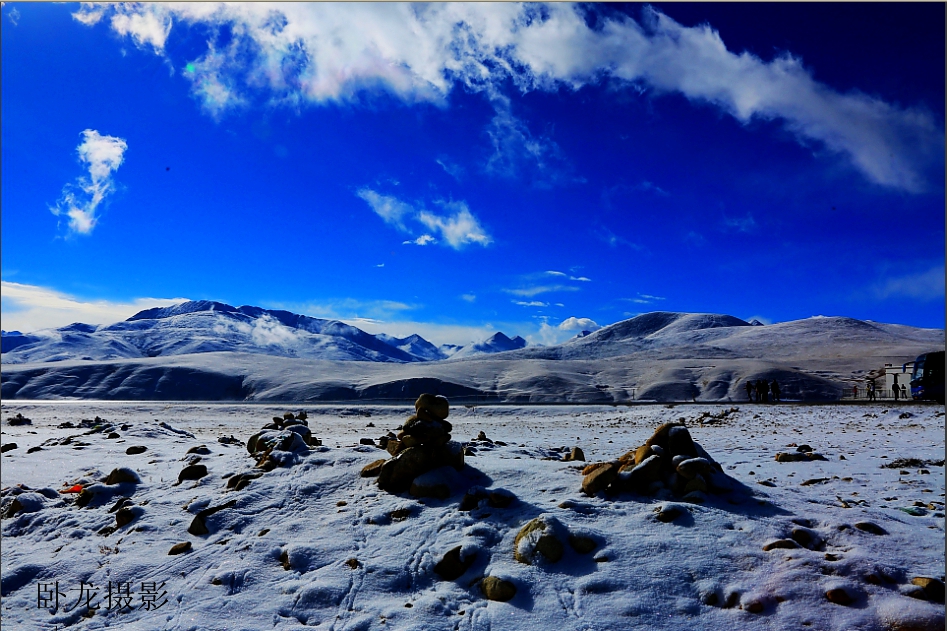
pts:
[357, 558]
[496, 343]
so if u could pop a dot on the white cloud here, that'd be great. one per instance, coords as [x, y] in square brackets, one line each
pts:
[345, 309]
[924, 285]
[80, 200]
[331, 52]
[389, 208]
[643, 299]
[468, 297]
[517, 152]
[582, 279]
[14, 16]
[459, 228]
[452, 169]
[531, 303]
[435, 333]
[529, 292]
[31, 307]
[740, 224]
[578, 324]
[424, 239]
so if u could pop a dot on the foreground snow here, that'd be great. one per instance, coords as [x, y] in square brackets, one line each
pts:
[354, 565]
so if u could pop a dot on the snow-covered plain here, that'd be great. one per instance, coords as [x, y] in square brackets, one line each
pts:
[352, 565]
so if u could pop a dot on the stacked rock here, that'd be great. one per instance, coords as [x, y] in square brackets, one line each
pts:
[670, 459]
[423, 444]
[289, 433]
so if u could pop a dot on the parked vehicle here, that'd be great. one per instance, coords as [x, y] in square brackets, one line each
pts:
[927, 380]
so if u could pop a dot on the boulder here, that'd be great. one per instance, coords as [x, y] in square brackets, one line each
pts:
[839, 596]
[582, 544]
[453, 565]
[373, 469]
[180, 548]
[435, 404]
[136, 449]
[600, 478]
[693, 467]
[450, 454]
[574, 455]
[497, 589]
[192, 472]
[431, 484]
[425, 430]
[397, 473]
[8, 447]
[122, 475]
[539, 538]
[933, 589]
[680, 442]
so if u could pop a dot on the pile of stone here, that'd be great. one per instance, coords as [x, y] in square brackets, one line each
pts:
[422, 447]
[277, 442]
[670, 460]
[803, 453]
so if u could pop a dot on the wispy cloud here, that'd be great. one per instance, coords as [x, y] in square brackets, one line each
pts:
[300, 53]
[345, 309]
[529, 292]
[695, 238]
[643, 299]
[923, 285]
[564, 275]
[14, 16]
[518, 153]
[457, 227]
[531, 303]
[613, 240]
[80, 200]
[468, 297]
[740, 224]
[451, 168]
[31, 307]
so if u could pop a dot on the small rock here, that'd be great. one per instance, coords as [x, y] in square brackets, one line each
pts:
[122, 475]
[780, 544]
[436, 405]
[180, 548]
[352, 563]
[284, 560]
[367, 441]
[804, 537]
[582, 544]
[19, 419]
[136, 449]
[114, 435]
[812, 481]
[803, 448]
[34, 449]
[372, 470]
[497, 589]
[574, 455]
[869, 527]
[669, 513]
[600, 478]
[400, 514]
[192, 472]
[200, 450]
[754, 606]
[453, 565]
[500, 498]
[7, 447]
[695, 497]
[839, 596]
[124, 516]
[538, 535]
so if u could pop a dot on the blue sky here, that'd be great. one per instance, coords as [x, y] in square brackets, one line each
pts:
[455, 169]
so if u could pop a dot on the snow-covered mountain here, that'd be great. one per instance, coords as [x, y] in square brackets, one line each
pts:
[206, 326]
[496, 343]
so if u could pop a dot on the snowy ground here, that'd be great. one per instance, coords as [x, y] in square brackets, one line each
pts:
[352, 565]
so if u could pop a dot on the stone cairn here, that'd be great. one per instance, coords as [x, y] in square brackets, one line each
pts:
[670, 459]
[423, 445]
[280, 438]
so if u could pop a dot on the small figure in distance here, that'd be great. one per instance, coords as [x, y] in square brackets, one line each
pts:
[774, 387]
[763, 394]
[871, 390]
[855, 391]
[896, 389]
[904, 392]
[749, 390]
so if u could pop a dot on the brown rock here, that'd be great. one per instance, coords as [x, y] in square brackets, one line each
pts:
[7, 447]
[839, 596]
[436, 405]
[192, 472]
[373, 469]
[393, 446]
[804, 537]
[453, 566]
[600, 478]
[500, 498]
[497, 589]
[122, 475]
[284, 560]
[136, 449]
[933, 588]
[786, 544]
[352, 563]
[754, 606]
[589, 468]
[669, 513]
[199, 524]
[661, 434]
[180, 548]
[697, 484]
[124, 516]
[575, 454]
[430, 485]
[425, 430]
[450, 454]
[397, 473]
[643, 453]
[695, 466]
[680, 442]
[869, 527]
[539, 532]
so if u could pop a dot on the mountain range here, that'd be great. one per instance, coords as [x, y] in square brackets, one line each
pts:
[212, 351]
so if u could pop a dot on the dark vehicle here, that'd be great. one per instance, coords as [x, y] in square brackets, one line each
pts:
[927, 381]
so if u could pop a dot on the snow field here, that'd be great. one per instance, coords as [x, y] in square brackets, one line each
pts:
[360, 558]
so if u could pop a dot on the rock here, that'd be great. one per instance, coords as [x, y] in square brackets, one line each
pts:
[367, 441]
[113, 435]
[497, 589]
[869, 527]
[575, 454]
[34, 449]
[694, 467]
[352, 563]
[839, 596]
[19, 419]
[453, 565]
[538, 536]
[180, 548]
[394, 446]
[787, 457]
[241, 480]
[124, 516]
[288, 416]
[697, 484]
[400, 514]
[199, 523]
[397, 473]
[803, 448]
[372, 470]
[600, 478]
[84, 498]
[450, 454]
[122, 475]
[661, 434]
[284, 560]
[7, 447]
[136, 449]
[754, 606]
[431, 484]
[680, 442]
[500, 498]
[669, 512]
[436, 405]
[805, 537]
[695, 497]
[192, 472]
[784, 544]
[425, 430]
[933, 589]
[582, 544]
[302, 416]
[589, 468]
[200, 450]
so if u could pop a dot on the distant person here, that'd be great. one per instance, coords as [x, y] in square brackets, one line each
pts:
[855, 392]
[871, 390]
[904, 392]
[749, 390]
[764, 391]
[774, 387]
[896, 389]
